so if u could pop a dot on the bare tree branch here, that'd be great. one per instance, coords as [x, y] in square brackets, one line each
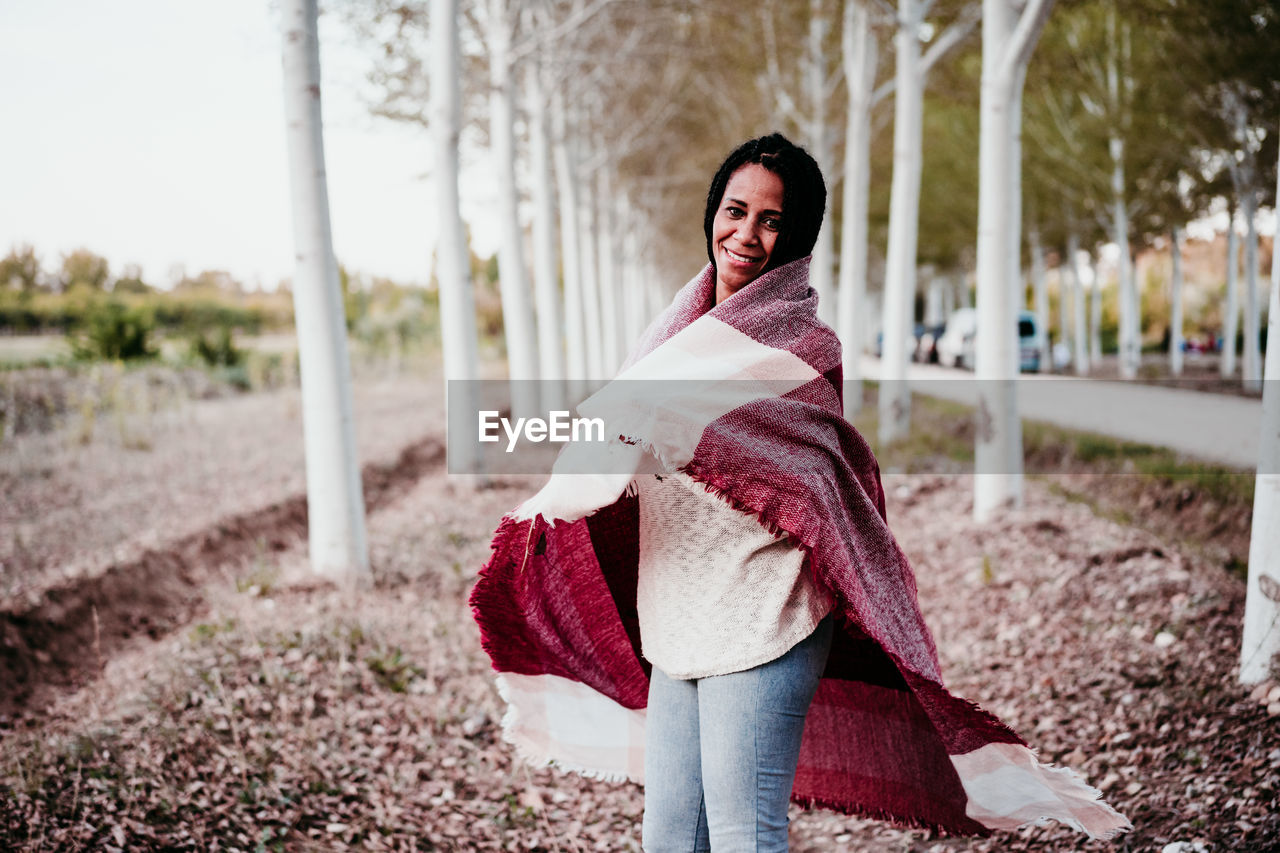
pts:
[786, 106]
[955, 33]
[1025, 35]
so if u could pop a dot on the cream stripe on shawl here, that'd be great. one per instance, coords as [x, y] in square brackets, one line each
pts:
[713, 369]
[550, 718]
[1007, 788]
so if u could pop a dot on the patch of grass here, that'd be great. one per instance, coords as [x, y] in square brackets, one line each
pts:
[392, 669]
[1120, 516]
[203, 632]
[940, 430]
[261, 581]
[1107, 455]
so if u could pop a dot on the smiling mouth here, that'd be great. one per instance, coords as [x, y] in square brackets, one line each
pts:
[742, 259]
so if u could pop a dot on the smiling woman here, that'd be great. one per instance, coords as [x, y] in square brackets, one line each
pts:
[742, 630]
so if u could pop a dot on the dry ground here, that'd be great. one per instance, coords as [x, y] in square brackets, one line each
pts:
[275, 712]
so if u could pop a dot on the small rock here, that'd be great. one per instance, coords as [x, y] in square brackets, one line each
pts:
[1133, 788]
[1273, 710]
[1273, 695]
[473, 724]
[1164, 640]
[1260, 691]
[1184, 847]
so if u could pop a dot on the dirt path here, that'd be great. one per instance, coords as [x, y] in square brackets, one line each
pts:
[73, 507]
[291, 715]
[77, 625]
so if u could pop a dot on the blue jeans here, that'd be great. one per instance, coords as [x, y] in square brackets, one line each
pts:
[721, 752]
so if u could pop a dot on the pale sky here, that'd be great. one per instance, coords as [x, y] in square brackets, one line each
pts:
[152, 132]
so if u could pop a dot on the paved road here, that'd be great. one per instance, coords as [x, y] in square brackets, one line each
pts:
[1219, 428]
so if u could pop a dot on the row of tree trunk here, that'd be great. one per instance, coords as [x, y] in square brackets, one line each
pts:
[608, 291]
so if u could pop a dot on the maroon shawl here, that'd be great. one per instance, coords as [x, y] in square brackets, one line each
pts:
[556, 605]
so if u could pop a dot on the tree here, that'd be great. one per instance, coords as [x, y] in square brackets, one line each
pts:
[901, 257]
[1008, 39]
[859, 50]
[570, 250]
[453, 269]
[84, 269]
[1110, 130]
[335, 500]
[817, 81]
[1260, 645]
[1227, 76]
[130, 281]
[517, 318]
[551, 365]
[20, 269]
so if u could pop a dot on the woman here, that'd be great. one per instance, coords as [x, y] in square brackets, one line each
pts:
[737, 633]
[656, 628]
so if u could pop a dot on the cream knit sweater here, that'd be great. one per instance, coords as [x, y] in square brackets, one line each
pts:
[717, 592]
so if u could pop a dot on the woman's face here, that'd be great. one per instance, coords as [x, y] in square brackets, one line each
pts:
[746, 226]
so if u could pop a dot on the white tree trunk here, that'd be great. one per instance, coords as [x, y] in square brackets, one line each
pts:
[591, 290]
[933, 311]
[517, 318]
[606, 253]
[546, 288]
[1080, 351]
[1175, 303]
[858, 48]
[1231, 317]
[998, 441]
[1064, 312]
[1095, 312]
[1261, 641]
[1251, 364]
[546, 285]
[571, 252]
[904, 221]
[820, 269]
[335, 500]
[453, 260]
[1040, 287]
[634, 298]
[1129, 346]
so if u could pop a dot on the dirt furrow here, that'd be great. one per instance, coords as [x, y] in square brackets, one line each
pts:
[68, 635]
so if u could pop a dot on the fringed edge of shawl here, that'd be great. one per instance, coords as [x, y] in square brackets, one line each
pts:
[510, 718]
[892, 818]
[1080, 791]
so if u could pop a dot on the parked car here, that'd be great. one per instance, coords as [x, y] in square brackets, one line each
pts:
[927, 342]
[909, 346]
[956, 345]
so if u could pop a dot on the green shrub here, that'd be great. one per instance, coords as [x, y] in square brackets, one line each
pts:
[112, 331]
[220, 350]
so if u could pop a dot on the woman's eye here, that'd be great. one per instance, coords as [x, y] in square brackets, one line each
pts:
[733, 211]
[772, 223]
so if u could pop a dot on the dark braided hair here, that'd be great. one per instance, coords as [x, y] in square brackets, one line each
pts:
[804, 194]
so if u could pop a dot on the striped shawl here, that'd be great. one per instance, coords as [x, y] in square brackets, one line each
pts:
[750, 406]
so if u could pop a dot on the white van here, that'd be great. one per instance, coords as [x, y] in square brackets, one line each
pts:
[956, 346]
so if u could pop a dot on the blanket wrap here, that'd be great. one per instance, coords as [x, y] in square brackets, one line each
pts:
[754, 413]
